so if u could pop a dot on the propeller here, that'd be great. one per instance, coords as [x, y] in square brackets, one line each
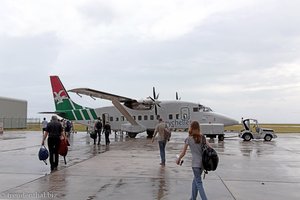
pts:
[177, 97]
[154, 95]
[154, 99]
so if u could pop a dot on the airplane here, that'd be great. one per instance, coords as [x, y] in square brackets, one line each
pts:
[131, 115]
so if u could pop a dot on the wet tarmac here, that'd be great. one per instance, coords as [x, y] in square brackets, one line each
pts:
[129, 169]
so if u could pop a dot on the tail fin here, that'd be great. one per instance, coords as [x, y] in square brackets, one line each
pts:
[62, 100]
[64, 104]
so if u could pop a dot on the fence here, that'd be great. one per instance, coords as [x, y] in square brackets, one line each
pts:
[18, 122]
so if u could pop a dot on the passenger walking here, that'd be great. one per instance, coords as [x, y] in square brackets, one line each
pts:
[98, 129]
[68, 128]
[44, 125]
[73, 128]
[107, 132]
[54, 132]
[194, 141]
[162, 140]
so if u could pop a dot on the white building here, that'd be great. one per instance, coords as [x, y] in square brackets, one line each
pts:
[13, 112]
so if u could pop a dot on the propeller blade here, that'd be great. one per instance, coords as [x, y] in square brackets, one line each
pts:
[152, 99]
[177, 96]
[154, 95]
[155, 110]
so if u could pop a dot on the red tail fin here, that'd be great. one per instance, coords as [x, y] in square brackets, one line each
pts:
[58, 89]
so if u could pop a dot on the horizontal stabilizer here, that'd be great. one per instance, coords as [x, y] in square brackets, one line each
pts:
[57, 113]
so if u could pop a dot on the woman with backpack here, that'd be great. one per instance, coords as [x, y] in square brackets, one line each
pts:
[195, 141]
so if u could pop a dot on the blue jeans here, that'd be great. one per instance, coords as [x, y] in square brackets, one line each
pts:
[162, 146]
[197, 184]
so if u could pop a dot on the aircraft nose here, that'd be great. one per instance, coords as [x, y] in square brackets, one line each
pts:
[229, 121]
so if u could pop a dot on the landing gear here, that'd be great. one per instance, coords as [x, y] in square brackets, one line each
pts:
[150, 133]
[132, 135]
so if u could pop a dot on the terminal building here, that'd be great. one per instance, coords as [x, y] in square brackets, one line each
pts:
[13, 113]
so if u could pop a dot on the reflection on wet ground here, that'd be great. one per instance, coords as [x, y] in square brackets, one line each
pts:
[129, 169]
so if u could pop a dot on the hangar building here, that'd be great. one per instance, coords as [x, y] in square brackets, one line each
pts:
[13, 113]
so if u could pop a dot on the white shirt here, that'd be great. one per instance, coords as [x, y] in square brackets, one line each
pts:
[44, 124]
[160, 128]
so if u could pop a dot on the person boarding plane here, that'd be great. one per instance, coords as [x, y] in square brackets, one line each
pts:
[131, 115]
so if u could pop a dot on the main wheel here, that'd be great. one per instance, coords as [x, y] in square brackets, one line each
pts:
[268, 138]
[132, 135]
[247, 137]
[150, 134]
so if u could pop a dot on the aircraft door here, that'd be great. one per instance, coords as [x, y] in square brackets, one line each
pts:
[185, 113]
[105, 118]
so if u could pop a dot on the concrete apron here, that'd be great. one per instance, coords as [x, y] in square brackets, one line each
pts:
[129, 169]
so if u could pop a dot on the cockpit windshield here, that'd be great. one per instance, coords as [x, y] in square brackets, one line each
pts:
[204, 108]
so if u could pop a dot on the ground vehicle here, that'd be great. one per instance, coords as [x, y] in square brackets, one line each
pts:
[252, 130]
[213, 130]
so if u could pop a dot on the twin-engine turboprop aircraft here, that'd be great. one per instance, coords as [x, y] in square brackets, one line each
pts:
[131, 115]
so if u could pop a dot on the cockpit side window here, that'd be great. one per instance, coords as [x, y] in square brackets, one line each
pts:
[196, 109]
[204, 108]
[207, 109]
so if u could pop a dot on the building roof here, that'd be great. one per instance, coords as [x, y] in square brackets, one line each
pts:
[11, 99]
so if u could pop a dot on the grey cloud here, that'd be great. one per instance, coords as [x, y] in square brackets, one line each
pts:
[97, 13]
[25, 62]
[25, 53]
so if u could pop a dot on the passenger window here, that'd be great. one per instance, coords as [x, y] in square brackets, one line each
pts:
[117, 119]
[195, 109]
[157, 116]
[134, 117]
[170, 116]
[122, 118]
[177, 116]
[139, 117]
[151, 117]
[145, 117]
[111, 119]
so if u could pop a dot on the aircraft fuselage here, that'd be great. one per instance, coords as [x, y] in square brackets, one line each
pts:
[177, 114]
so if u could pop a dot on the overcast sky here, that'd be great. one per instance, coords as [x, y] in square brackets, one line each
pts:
[241, 58]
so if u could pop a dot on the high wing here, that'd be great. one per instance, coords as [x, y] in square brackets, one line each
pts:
[128, 102]
[115, 99]
[101, 95]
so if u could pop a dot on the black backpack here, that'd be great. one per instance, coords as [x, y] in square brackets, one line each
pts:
[210, 158]
[99, 125]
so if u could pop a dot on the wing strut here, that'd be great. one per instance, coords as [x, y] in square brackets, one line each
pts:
[122, 110]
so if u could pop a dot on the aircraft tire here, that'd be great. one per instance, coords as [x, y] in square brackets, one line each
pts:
[132, 135]
[150, 134]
